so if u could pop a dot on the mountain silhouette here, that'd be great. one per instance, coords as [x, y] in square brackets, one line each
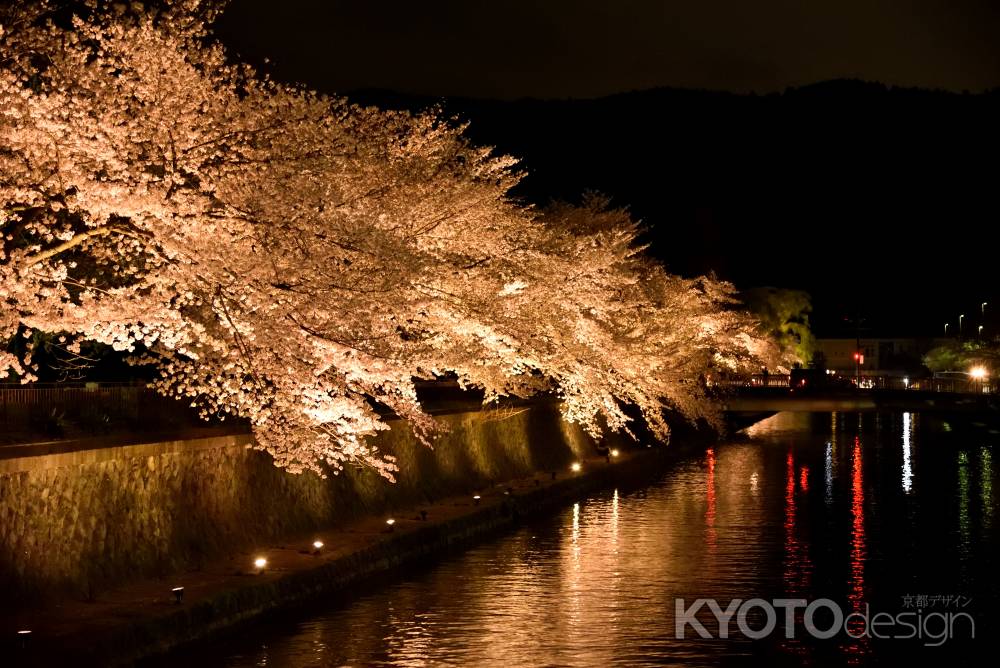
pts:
[870, 197]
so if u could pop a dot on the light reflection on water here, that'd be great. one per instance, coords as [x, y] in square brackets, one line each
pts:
[595, 585]
[907, 455]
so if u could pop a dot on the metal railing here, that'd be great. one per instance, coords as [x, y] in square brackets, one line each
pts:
[58, 411]
[119, 395]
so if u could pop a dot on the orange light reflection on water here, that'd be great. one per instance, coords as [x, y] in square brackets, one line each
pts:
[710, 501]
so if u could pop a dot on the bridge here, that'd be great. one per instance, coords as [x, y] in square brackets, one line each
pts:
[748, 396]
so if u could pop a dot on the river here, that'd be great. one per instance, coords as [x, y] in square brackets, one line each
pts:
[878, 513]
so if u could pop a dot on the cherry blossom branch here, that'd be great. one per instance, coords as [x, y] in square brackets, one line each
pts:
[42, 256]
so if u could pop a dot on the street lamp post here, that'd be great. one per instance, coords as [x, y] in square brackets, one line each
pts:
[946, 329]
[960, 325]
[980, 331]
[982, 308]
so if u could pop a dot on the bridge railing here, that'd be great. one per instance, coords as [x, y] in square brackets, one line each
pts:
[865, 382]
[755, 380]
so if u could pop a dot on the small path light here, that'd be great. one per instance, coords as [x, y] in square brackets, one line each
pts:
[260, 563]
[178, 593]
[23, 638]
[575, 467]
[390, 524]
[476, 499]
[317, 546]
[614, 453]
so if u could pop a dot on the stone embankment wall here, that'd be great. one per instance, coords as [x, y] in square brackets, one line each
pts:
[80, 521]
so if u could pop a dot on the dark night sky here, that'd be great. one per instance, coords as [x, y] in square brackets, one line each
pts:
[875, 201]
[586, 48]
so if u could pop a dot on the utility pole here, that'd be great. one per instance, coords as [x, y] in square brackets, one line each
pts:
[859, 358]
[857, 350]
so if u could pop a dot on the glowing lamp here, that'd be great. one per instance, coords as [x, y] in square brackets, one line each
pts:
[476, 499]
[178, 593]
[317, 545]
[978, 372]
[614, 453]
[23, 637]
[575, 467]
[260, 563]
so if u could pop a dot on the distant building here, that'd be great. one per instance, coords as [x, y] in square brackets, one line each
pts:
[882, 356]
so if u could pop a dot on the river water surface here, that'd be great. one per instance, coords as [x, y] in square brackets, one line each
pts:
[888, 513]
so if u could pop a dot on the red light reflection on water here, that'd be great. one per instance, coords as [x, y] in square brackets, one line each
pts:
[797, 564]
[856, 594]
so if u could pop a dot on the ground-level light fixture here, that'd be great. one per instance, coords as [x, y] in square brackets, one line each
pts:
[390, 524]
[23, 636]
[575, 467]
[317, 545]
[178, 593]
[614, 452]
[260, 563]
[476, 499]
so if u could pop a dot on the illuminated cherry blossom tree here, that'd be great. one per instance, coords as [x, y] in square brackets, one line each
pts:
[297, 261]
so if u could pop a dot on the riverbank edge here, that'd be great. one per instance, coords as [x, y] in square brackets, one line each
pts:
[187, 623]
